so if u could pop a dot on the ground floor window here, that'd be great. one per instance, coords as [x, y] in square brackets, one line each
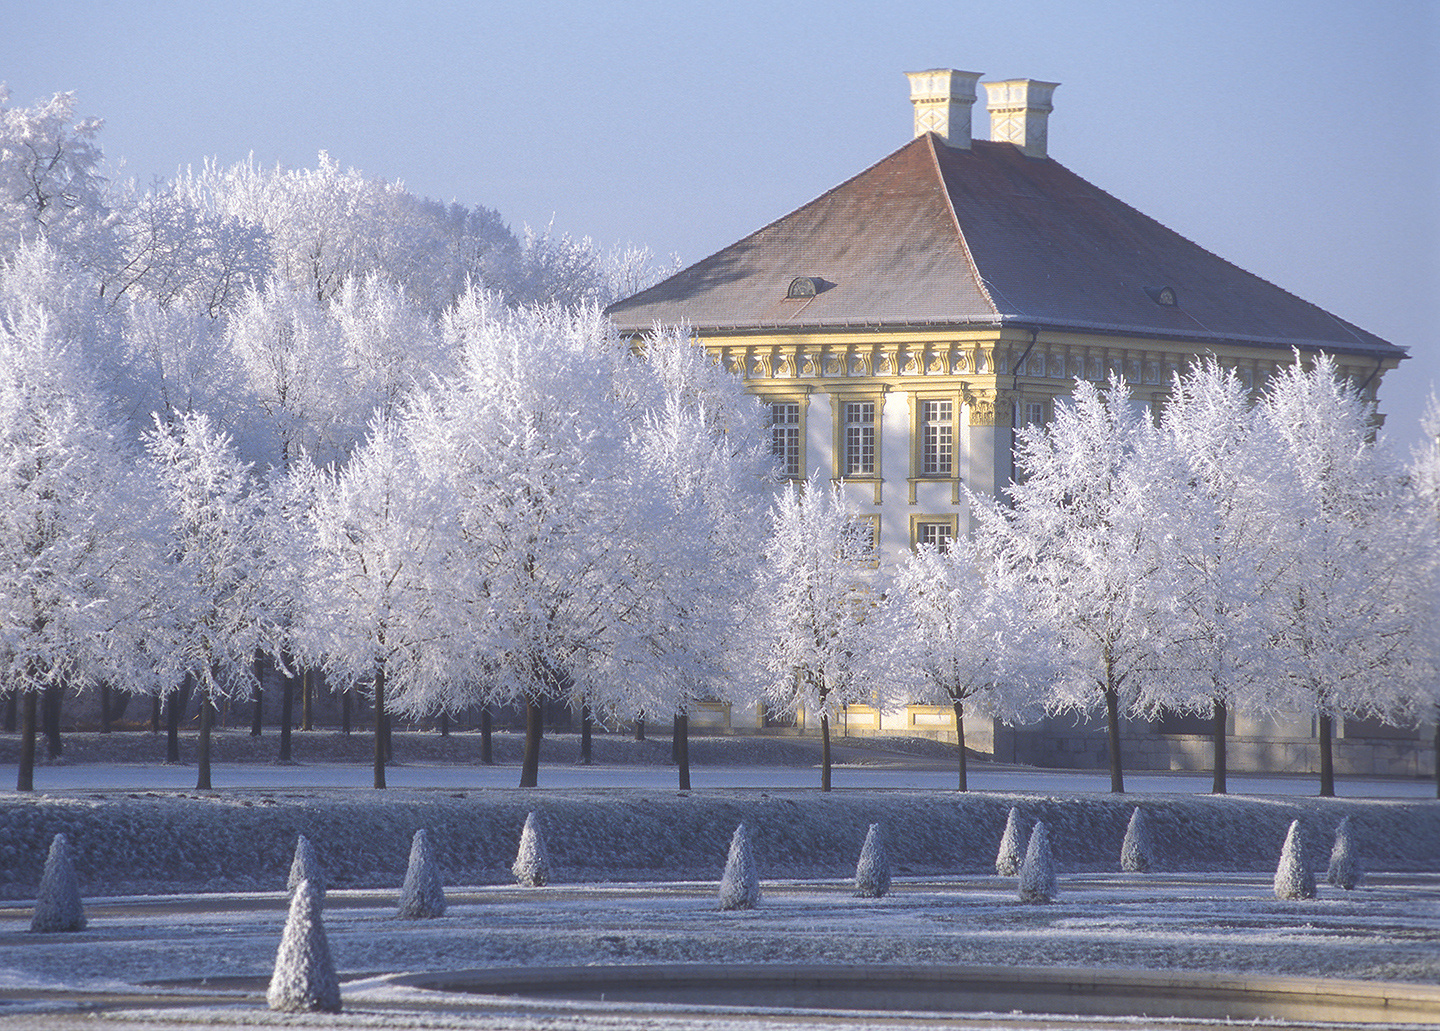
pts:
[936, 531]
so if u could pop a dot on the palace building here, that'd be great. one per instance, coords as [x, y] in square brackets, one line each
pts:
[904, 324]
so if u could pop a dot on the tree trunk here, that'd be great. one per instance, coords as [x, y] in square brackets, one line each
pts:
[444, 723]
[586, 722]
[175, 704]
[960, 744]
[155, 714]
[824, 751]
[1112, 737]
[1219, 719]
[1437, 753]
[202, 757]
[257, 710]
[51, 716]
[257, 695]
[345, 708]
[530, 767]
[307, 701]
[682, 748]
[1327, 757]
[104, 706]
[639, 728]
[117, 711]
[487, 753]
[12, 710]
[26, 779]
[287, 711]
[380, 749]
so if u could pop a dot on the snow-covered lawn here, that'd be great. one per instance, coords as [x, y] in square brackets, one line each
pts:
[636, 872]
[1389, 929]
[569, 776]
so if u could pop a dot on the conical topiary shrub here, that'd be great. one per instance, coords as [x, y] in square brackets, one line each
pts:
[1344, 870]
[423, 895]
[1007, 860]
[1137, 852]
[532, 861]
[58, 907]
[740, 887]
[304, 977]
[305, 867]
[1293, 877]
[872, 873]
[1037, 873]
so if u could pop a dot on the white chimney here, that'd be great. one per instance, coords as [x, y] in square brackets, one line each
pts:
[1019, 110]
[942, 99]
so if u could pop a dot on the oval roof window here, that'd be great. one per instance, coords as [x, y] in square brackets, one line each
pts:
[1163, 295]
[801, 287]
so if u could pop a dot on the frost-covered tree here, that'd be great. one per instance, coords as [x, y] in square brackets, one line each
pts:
[423, 894]
[304, 978]
[1217, 493]
[1424, 482]
[740, 884]
[1009, 856]
[219, 614]
[575, 561]
[79, 563]
[872, 872]
[373, 606]
[706, 441]
[58, 906]
[532, 860]
[305, 866]
[1037, 873]
[173, 250]
[813, 598]
[953, 629]
[1356, 625]
[1344, 870]
[1137, 851]
[1293, 877]
[50, 180]
[1078, 533]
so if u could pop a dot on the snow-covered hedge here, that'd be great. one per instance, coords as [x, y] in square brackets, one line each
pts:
[244, 841]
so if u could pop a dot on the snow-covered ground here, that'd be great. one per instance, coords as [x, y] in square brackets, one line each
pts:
[636, 871]
[1385, 930]
[568, 776]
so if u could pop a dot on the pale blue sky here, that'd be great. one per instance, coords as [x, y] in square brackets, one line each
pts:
[1299, 139]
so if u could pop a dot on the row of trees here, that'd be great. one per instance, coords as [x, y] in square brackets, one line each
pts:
[1268, 558]
[309, 416]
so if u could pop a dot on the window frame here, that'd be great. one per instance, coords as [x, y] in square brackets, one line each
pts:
[797, 427]
[925, 469]
[950, 521]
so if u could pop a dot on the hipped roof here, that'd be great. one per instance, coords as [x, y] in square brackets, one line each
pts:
[938, 236]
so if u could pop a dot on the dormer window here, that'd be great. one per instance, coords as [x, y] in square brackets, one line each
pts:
[801, 288]
[1163, 296]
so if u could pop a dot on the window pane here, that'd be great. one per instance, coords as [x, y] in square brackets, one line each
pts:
[937, 535]
[785, 436]
[863, 531]
[859, 438]
[936, 438]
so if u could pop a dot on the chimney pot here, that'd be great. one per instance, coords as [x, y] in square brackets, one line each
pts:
[942, 99]
[1019, 112]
